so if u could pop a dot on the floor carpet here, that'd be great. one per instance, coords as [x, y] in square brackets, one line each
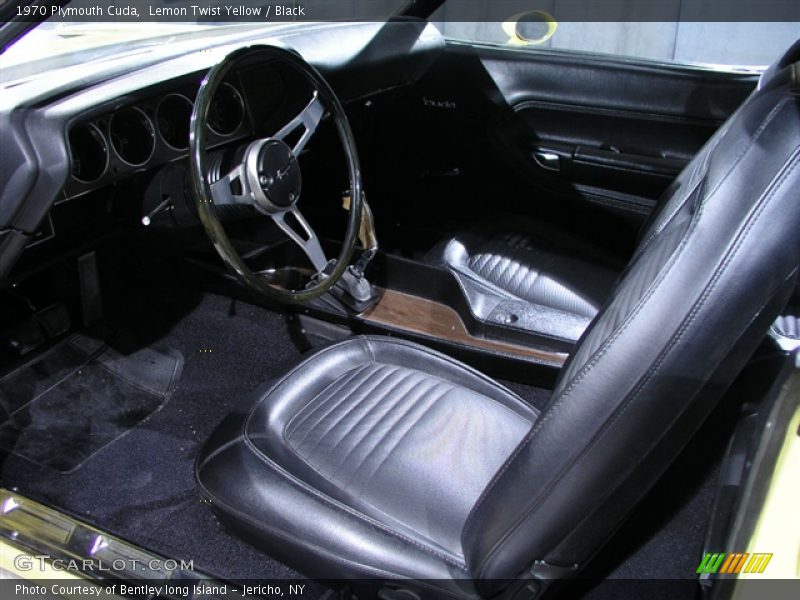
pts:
[141, 486]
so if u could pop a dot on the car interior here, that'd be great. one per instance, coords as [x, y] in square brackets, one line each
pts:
[407, 316]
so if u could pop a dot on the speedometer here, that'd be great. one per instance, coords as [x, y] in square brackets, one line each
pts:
[132, 135]
[172, 120]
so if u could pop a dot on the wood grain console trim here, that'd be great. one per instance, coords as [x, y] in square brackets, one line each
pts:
[419, 315]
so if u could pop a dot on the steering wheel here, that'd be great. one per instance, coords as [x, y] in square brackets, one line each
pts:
[268, 176]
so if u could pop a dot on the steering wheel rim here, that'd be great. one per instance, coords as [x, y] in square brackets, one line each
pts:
[205, 198]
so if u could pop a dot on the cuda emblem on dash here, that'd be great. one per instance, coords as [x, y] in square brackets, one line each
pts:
[438, 103]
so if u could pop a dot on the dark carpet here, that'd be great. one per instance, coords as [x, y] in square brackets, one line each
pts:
[80, 396]
[141, 486]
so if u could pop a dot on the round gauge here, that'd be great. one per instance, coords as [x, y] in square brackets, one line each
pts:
[226, 112]
[88, 153]
[132, 136]
[172, 120]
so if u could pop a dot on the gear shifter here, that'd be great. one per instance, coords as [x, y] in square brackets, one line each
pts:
[353, 289]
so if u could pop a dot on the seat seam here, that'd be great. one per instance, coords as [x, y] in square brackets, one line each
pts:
[324, 477]
[762, 127]
[283, 533]
[460, 366]
[578, 377]
[752, 218]
[346, 509]
[504, 274]
[347, 376]
[359, 386]
[284, 378]
[397, 403]
[640, 459]
[403, 436]
[501, 404]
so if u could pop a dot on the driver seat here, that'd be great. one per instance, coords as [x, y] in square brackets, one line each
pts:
[378, 459]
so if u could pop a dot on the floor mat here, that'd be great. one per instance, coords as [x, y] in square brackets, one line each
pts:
[142, 487]
[80, 396]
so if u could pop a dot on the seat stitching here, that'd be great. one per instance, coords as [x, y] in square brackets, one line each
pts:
[601, 350]
[327, 409]
[369, 404]
[305, 460]
[367, 345]
[306, 411]
[672, 422]
[334, 484]
[218, 451]
[688, 193]
[346, 509]
[293, 538]
[752, 218]
[399, 401]
[408, 430]
[303, 364]
[460, 366]
[482, 377]
[707, 159]
[515, 281]
[359, 386]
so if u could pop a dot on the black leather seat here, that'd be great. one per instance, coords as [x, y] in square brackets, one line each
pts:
[511, 263]
[377, 458]
[366, 458]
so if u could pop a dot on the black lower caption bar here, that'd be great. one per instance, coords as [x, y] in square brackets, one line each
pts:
[625, 589]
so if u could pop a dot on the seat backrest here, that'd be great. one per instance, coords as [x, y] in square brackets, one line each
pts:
[712, 272]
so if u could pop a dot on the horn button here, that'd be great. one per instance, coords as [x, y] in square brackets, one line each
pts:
[278, 174]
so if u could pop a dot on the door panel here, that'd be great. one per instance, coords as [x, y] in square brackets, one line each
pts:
[630, 152]
[584, 141]
[603, 128]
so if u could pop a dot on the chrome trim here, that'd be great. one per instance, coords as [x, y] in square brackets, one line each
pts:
[44, 531]
[189, 116]
[308, 119]
[106, 143]
[148, 121]
[549, 161]
[786, 333]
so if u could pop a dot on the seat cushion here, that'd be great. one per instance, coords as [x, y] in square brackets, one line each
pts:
[513, 262]
[554, 283]
[372, 455]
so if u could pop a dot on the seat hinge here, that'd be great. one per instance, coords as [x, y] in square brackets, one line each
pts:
[538, 578]
[541, 569]
[394, 593]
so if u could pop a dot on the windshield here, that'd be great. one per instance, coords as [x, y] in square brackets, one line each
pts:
[53, 45]
[58, 43]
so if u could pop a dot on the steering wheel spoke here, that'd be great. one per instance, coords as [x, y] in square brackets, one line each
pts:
[231, 189]
[301, 233]
[308, 118]
[269, 177]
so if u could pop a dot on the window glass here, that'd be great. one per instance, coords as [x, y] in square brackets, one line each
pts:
[709, 43]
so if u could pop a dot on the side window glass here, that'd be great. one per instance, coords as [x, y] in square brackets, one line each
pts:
[726, 45]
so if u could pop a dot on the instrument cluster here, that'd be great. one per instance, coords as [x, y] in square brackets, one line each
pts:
[140, 134]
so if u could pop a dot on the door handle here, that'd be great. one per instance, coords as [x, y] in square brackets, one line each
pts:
[547, 160]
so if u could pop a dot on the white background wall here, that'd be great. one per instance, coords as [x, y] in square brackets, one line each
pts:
[744, 44]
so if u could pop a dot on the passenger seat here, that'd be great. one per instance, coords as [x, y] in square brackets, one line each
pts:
[529, 275]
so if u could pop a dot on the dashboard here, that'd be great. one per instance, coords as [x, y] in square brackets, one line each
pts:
[148, 133]
[77, 135]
